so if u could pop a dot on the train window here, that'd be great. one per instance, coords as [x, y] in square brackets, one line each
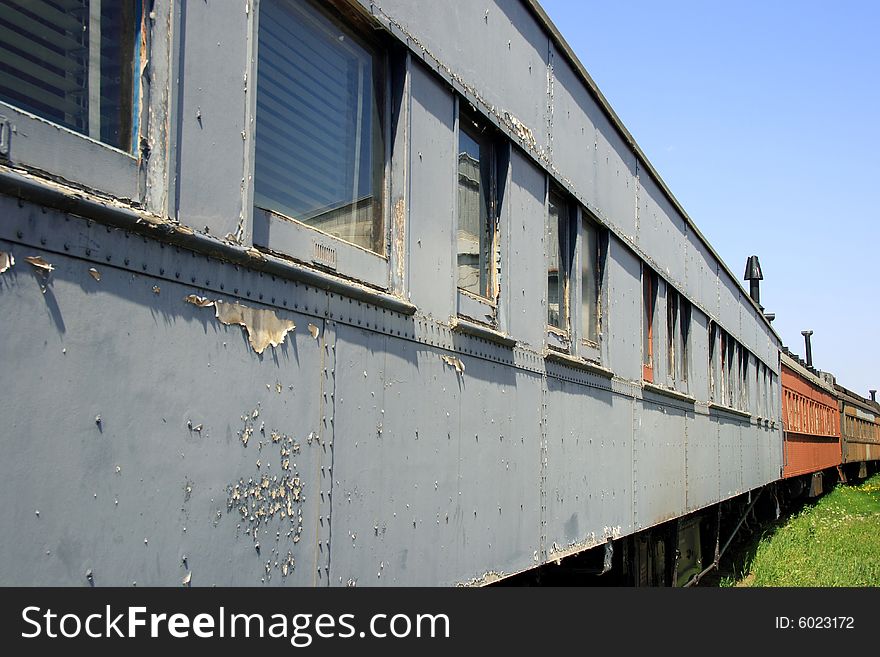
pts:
[713, 362]
[477, 207]
[73, 64]
[649, 301]
[671, 329]
[591, 280]
[320, 124]
[70, 92]
[685, 333]
[558, 234]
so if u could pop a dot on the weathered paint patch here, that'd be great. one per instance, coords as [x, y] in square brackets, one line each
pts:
[264, 497]
[264, 328]
[6, 261]
[40, 264]
[484, 579]
[454, 362]
[315, 331]
[94, 273]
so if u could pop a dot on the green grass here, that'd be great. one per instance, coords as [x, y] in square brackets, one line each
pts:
[833, 542]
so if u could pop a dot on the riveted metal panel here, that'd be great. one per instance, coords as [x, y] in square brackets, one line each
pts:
[527, 292]
[575, 145]
[135, 464]
[589, 470]
[432, 195]
[702, 461]
[730, 452]
[616, 184]
[212, 102]
[622, 323]
[701, 284]
[661, 232]
[418, 442]
[659, 455]
[729, 313]
[498, 51]
[698, 357]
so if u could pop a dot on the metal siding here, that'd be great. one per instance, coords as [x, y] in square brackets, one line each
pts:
[729, 310]
[622, 322]
[702, 461]
[730, 455]
[659, 459]
[589, 470]
[432, 196]
[527, 291]
[615, 179]
[211, 115]
[661, 232]
[698, 377]
[575, 114]
[132, 495]
[504, 60]
[412, 499]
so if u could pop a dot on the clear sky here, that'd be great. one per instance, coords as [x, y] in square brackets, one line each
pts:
[763, 118]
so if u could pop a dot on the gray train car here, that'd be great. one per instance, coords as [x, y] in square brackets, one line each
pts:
[347, 293]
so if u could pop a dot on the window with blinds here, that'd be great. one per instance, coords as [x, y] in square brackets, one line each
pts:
[320, 147]
[72, 62]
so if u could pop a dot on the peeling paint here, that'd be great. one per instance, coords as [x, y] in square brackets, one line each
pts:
[315, 331]
[94, 273]
[454, 362]
[156, 289]
[521, 130]
[264, 327]
[40, 264]
[399, 218]
[483, 580]
[196, 300]
[6, 261]
[187, 578]
[263, 497]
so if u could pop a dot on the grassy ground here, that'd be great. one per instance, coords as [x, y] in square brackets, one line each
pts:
[832, 542]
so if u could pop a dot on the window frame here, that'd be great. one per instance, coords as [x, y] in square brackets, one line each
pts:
[38, 144]
[559, 337]
[311, 246]
[587, 346]
[650, 283]
[469, 305]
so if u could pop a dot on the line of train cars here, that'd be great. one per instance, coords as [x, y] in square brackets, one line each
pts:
[830, 433]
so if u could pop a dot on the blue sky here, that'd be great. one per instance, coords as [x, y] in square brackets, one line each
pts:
[763, 118]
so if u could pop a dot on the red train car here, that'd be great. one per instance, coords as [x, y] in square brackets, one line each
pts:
[811, 420]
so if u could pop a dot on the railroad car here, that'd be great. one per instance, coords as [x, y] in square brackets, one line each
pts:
[860, 432]
[353, 293]
[811, 422]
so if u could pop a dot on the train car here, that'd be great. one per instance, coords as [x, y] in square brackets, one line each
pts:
[860, 432]
[811, 421]
[350, 293]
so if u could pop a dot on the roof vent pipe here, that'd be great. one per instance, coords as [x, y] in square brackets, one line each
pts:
[807, 335]
[873, 395]
[753, 275]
